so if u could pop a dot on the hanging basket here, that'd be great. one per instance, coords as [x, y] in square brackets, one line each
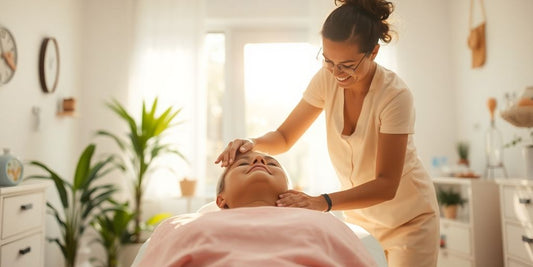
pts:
[519, 116]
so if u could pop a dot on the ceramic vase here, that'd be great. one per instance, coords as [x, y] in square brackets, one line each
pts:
[187, 187]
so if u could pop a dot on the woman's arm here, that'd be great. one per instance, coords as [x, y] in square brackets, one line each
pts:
[278, 141]
[389, 167]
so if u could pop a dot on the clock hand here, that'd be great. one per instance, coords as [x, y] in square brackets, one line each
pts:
[8, 56]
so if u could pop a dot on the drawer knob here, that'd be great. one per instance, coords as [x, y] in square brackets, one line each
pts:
[26, 206]
[24, 250]
[524, 200]
[527, 239]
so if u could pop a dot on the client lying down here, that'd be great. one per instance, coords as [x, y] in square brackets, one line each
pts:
[250, 230]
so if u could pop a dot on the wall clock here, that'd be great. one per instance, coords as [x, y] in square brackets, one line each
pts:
[8, 56]
[49, 65]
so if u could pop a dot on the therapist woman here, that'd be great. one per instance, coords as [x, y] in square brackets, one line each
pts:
[370, 124]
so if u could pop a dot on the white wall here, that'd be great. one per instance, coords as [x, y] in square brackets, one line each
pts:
[509, 68]
[106, 51]
[423, 53]
[56, 141]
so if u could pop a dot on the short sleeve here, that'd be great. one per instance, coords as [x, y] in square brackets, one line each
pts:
[315, 94]
[398, 115]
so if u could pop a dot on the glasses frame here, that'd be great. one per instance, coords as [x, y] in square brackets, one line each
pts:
[340, 67]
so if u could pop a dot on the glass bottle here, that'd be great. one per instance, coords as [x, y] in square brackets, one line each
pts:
[493, 144]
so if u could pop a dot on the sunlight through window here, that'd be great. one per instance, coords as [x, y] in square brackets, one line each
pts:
[276, 75]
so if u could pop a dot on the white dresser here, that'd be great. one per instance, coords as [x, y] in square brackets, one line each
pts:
[517, 221]
[22, 210]
[474, 237]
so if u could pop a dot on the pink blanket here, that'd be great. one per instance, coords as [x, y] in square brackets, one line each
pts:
[260, 236]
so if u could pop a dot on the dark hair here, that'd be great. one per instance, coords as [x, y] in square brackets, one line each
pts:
[363, 22]
[221, 181]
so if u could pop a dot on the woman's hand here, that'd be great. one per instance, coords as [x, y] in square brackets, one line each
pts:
[298, 199]
[227, 156]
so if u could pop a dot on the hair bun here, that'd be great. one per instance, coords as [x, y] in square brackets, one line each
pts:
[380, 9]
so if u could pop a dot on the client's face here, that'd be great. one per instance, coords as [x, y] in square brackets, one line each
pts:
[254, 179]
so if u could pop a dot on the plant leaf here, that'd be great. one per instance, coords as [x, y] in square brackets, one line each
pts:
[121, 144]
[82, 170]
[58, 181]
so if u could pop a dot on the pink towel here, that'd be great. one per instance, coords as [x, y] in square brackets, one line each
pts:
[259, 236]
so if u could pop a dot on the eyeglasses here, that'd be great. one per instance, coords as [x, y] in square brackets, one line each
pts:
[341, 67]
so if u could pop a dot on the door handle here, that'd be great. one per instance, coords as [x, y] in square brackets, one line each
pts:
[24, 250]
[524, 200]
[527, 239]
[26, 206]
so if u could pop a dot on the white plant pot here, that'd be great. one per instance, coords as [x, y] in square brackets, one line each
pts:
[527, 151]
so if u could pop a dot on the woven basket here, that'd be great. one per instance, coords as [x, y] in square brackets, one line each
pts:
[519, 116]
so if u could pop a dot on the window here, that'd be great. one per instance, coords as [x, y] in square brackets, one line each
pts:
[274, 76]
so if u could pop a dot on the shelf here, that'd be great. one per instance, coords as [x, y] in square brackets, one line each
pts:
[455, 222]
[67, 114]
[454, 180]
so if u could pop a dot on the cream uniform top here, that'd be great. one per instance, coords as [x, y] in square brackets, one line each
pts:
[387, 108]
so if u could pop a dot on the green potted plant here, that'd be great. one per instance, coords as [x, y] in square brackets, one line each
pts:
[111, 225]
[450, 201]
[463, 149]
[141, 146]
[79, 199]
[112, 228]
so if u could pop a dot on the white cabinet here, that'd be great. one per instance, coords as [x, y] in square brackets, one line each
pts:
[474, 237]
[22, 211]
[517, 221]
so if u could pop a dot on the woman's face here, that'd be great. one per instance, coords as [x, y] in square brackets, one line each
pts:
[253, 175]
[346, 62]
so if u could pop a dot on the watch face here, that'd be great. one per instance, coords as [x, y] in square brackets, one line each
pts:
[49, 65]
[8, 56]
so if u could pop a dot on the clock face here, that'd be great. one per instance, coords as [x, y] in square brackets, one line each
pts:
[49, 65]
[8, 56]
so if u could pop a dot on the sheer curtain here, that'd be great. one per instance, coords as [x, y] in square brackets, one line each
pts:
[166, 64]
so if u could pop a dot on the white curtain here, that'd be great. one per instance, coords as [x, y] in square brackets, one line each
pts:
[166, 64]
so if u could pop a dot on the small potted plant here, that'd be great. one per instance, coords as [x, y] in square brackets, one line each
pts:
[450, 201]
[463, 149]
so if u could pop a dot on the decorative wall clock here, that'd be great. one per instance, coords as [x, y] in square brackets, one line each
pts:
[8, 56]
[49, 65]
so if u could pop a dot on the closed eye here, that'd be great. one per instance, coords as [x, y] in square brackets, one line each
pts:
[346, 67]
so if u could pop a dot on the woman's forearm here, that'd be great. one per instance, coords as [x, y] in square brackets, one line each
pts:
[365, 195]
[272, 143]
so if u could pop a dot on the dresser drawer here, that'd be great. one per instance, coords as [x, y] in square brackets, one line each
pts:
[22, 213]
[456, 237]
[518, 203]
[447, 259]
[516, 245]
[23, 252]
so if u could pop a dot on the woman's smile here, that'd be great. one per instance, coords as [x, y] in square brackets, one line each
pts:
[341, 79]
